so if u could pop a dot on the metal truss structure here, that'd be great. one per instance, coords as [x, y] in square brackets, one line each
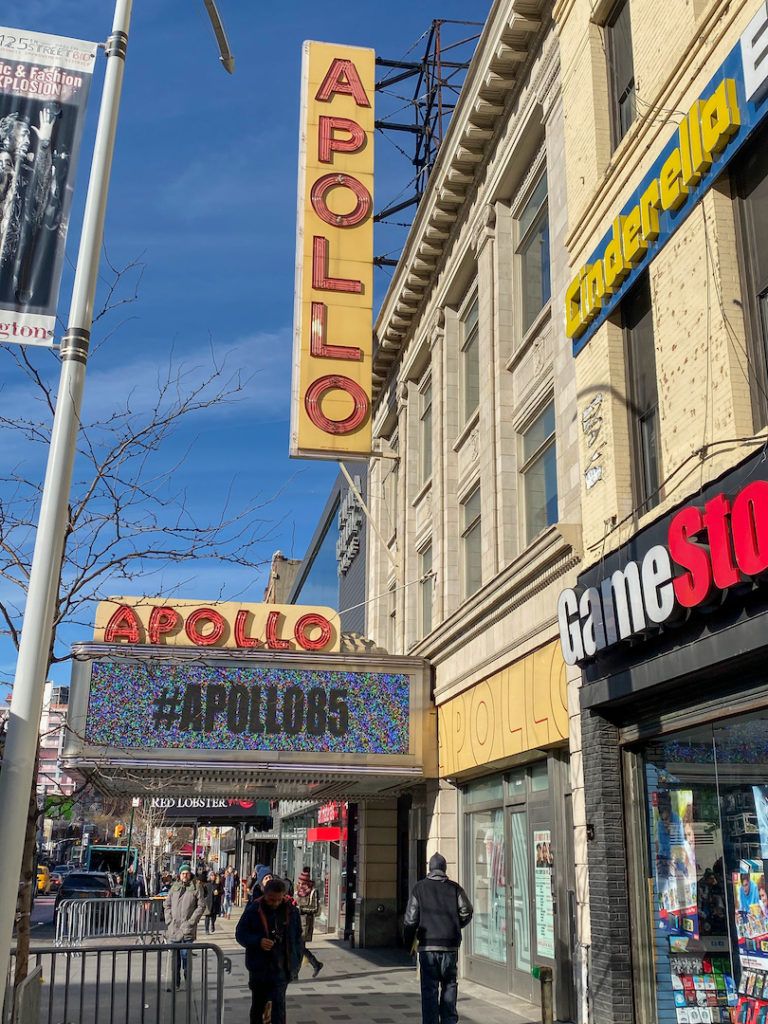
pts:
[427, 88]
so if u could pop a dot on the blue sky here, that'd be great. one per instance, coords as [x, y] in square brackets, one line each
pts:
[204, 192]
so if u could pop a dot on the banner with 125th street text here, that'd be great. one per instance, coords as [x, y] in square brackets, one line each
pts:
[44, 85]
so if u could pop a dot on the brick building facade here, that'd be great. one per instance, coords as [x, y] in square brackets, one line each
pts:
[665, 308]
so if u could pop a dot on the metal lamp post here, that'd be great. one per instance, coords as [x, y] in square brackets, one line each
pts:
[34, 648]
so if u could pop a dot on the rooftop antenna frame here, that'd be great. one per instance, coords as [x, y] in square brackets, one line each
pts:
[435, 94]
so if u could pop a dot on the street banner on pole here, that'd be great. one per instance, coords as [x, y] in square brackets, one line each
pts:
[44, 85]
[333, 318]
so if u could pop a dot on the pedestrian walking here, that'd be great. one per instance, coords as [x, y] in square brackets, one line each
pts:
[270, 932]
[212, 895]
[229, 892]
[437, 911]
[236, 874]
[264, 875]
[184, 906]
[254, 888]
[308, 902]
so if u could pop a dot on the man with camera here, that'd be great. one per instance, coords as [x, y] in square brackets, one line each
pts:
[270, 931]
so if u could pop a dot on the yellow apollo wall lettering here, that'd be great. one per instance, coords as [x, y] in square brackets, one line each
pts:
[704, 133]
[522, 707]
[333, 318]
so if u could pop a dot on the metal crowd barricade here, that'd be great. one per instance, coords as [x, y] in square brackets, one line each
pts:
[109, 984]
[79, 921]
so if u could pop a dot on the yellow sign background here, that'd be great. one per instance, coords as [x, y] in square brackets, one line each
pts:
[522, 707]
[256, 623]
[349, 315]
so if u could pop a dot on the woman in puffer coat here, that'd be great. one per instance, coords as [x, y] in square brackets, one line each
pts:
[184, 906]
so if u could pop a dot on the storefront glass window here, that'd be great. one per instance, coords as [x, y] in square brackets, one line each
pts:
[521, 902]
[707, 827]
[488, 936]
[485, 791]
[539, 777]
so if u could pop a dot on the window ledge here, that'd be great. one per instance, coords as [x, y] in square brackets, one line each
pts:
[467, 429]
[530, 336]
[425, 488]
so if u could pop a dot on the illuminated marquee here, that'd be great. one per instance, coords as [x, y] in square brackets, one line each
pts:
[333, 327]
[180, 623]
[708, 137]
[195, 706]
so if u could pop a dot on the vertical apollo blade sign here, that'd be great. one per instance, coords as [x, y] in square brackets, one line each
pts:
[44, 85]
[333, 321]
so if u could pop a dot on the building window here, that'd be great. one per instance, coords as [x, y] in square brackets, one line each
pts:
[488, 935]
[319, 582]
[425, 432]
[705, 815]
[621, 71]
[539, 472]
[533, 254]
[426, 589]
[471, 544]
[470, 361]
[642, 393]
[751, 191]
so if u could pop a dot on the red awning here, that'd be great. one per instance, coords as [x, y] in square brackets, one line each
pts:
[333, 834]
[186, 850]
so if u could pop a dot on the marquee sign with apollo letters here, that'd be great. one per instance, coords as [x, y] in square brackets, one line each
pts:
[333, 319]
[709, 136]
[162, 622]
[708, 550]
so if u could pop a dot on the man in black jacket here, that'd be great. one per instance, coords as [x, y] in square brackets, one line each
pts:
[270, 930]
[437, 911]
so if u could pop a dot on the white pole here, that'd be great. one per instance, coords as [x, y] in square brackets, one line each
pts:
[32, 663]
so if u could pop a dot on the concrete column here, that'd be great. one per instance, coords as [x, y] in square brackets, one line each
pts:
[377, 874]
[484, 246]
[443, 837]
[437, 342]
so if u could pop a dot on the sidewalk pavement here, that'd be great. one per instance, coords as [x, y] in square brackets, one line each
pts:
[359, 986]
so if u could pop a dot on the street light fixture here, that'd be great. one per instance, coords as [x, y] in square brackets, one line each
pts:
[225, 54]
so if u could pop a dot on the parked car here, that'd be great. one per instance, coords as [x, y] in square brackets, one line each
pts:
[56, 879]
[43, 880]
[64, 869]
[84, 885]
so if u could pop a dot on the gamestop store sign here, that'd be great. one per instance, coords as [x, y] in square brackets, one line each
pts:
[673, 576]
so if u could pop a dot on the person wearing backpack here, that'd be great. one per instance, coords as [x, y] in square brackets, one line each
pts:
[438, 909]
[270, 932]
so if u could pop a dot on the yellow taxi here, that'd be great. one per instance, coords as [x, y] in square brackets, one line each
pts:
[43, 880]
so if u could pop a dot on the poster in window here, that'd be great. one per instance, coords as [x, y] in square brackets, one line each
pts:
[675, 862]
[545, 905]
[760, 795]
[751, 910]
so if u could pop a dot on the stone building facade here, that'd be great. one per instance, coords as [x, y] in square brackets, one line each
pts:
[476, 508]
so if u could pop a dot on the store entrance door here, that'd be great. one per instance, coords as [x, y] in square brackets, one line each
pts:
[519, 903]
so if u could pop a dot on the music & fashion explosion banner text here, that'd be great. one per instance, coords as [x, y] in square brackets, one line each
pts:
[44, 85]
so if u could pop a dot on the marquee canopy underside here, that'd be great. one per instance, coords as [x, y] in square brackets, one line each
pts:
[144, 777]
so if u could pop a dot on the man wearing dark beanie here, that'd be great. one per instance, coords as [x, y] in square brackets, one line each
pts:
[437, 911]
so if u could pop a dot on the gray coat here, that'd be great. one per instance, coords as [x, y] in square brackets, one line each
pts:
[184, 906]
